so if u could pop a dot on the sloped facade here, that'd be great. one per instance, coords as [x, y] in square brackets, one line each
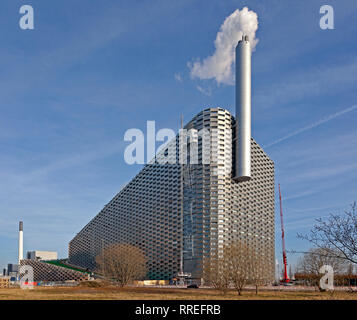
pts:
[43, 271]
[192, 209]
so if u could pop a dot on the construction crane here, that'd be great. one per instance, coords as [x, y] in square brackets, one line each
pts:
[285, 278]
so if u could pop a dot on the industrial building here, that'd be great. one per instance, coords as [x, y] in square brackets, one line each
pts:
[181, 214]
[12, 269]
[53, 271]
[42, 255]
[44, 266]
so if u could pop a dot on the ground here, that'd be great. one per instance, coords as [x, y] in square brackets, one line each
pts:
[144, 293]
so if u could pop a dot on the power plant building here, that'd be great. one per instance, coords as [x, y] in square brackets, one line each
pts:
[216, 209]
[42, 255]
[181, 214]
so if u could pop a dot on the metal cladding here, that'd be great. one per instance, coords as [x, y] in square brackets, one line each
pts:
[217, 211]
[21, 242]
[243, 110]
[43, 271]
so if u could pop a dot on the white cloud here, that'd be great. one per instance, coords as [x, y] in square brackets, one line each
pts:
[178, 77]
[219, 65]
[206, 92]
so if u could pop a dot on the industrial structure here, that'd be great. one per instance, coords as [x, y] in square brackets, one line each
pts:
[243, 110]
[12, 269]
[41, 266]
[51, 272]
[285, 259]
[21, 242]
[181, 214]
[42, 255]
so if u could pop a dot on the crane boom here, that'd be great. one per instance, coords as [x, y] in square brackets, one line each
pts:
[286, 278]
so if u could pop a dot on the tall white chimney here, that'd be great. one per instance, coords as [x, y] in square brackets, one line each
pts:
[21, 241]
[243, 110]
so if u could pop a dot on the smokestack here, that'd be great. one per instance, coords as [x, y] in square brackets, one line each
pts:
[243, 110]
[21, 241]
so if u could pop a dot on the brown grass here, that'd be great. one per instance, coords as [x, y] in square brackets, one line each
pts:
[141, 293]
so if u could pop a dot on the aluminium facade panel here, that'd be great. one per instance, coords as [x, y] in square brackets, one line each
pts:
[216, 210]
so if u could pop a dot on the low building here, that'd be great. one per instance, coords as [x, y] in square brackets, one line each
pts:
[42, 255]
[48, 272]
[12, 269]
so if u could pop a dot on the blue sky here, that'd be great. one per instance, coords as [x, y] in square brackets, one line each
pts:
[93, 69]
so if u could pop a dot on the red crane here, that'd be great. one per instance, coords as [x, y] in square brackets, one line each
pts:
[286, 278]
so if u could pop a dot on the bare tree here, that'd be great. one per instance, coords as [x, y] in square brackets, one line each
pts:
[235, 265]
[216, 273]
[338, 233]
[241, 262]
[315, 258]
[350, 269]
[122, 263]
[257, 275]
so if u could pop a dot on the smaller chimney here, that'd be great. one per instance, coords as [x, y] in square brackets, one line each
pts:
[21, 242]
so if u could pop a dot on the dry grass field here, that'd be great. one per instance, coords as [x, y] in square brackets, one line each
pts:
[141, 293]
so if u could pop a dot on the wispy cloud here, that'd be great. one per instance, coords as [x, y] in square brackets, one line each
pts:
[299, 195]
[301, 223]
[311, 126]
[178, 77]
[205, 91]
[25, 181]
[325, 172]
[309, 82]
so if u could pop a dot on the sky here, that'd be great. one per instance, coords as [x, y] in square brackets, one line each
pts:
[90, 70]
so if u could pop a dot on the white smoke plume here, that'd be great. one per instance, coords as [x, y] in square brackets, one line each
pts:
[219, 65]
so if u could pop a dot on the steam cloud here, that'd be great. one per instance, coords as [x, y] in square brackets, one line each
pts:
[219, 65]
